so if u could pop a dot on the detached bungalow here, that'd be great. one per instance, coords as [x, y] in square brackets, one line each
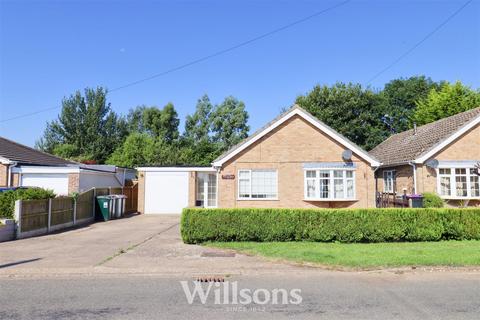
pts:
[24, 166]
[440, 157]
[295, 161]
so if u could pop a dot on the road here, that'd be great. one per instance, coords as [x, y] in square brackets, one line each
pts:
[133, 268]
[324, 296]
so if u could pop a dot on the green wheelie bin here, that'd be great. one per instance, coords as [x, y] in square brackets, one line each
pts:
[104, 208]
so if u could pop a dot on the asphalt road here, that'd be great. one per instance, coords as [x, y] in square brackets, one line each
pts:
[331, 295]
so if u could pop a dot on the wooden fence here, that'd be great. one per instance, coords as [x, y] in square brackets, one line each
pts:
[131, 203]
[35, 217]
[391, 200]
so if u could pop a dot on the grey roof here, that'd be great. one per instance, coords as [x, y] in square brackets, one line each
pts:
[407, 146]
[14, 151]
[281, 115]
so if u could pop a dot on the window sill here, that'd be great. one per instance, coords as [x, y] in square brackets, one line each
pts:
[331, 200]
[257, 199]
[459, 198]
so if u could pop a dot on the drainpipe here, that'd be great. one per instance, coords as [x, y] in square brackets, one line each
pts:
[9, 172]
[376, 183]
[414, 176]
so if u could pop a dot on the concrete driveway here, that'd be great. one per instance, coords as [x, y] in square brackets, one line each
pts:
[141, 244]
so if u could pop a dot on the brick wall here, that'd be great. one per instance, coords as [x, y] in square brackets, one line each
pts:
[403, 176]
[192, 188]
[141, 192]
[73, 182]
[3, 175]
[286, 149]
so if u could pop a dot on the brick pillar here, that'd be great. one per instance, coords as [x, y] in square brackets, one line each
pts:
[73, 182]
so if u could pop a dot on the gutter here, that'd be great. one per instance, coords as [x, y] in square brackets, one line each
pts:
[414, 166]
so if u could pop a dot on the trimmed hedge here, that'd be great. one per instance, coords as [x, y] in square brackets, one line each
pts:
[325, 225]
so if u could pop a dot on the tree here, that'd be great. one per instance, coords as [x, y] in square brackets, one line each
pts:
[138, 149]
[162, 123]
[351, 110]
[400, 97]
[229, 123]
[87, 125]
[198, 125]
[446, 101]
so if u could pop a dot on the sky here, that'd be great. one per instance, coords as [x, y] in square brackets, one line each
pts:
[50, 49]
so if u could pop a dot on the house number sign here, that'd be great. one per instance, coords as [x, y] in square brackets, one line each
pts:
[228, 176]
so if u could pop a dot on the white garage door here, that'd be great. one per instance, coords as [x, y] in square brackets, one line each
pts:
[58, 182]
[166, 192]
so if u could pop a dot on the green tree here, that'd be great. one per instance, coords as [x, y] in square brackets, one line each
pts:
[400, 97]
[162, 123]
[198, 125]
[87, 125]
[450, 99]
[138, 149]
[351, 110]
[229, 123]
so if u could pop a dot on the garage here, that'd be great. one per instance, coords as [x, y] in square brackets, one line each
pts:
[58, 182]
[166, 192]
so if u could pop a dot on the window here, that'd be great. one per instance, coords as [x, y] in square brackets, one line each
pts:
[389, 181]
[329, 184]
[474, 183]
[458, 182]
[257, 184]
[206, 190]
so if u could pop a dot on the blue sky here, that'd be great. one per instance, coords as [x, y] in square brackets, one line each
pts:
[49, 49]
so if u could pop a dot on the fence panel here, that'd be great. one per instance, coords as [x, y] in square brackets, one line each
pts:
[62, 210]
[131, 202]
[116, 191]
[85, 205]
[102, 191]
[34, 215]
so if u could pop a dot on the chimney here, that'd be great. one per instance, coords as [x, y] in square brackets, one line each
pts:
[414, 128]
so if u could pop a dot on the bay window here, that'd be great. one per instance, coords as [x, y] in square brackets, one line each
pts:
[257, 184]
[325, 184]
[458, 183]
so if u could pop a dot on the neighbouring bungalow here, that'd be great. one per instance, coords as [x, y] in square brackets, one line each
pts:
[22, 166]
[295, 161]
[440, 157]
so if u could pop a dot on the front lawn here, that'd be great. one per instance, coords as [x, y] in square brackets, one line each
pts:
[365, 255]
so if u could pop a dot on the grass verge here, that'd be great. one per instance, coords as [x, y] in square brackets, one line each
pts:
[365, 255]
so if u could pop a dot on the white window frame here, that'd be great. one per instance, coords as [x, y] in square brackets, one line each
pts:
[206, 178]
[250, 185]
[392, 178]
[331, 191]
[453, 183]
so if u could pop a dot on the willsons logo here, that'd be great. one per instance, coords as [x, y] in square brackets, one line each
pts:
[228, 293]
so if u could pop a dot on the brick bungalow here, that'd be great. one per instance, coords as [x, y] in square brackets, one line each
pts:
[439, 157]
[295, 161]
[24, 166]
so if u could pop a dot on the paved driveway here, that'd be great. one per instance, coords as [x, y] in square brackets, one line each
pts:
[148, 244]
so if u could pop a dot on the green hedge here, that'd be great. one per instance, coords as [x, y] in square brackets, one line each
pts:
[7, 199]
[344, 225]
[432, 200]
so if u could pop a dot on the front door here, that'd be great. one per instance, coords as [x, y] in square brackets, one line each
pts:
[206, 195]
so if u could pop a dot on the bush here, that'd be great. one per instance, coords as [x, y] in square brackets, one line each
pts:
[8, 198]
[432, 200]
[344, 225]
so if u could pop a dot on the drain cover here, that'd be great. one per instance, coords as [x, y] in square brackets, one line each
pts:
[218, 254]
[210, 279]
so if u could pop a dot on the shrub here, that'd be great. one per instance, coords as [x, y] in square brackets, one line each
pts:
[8, 198]
[432, 200]
[344, 225]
